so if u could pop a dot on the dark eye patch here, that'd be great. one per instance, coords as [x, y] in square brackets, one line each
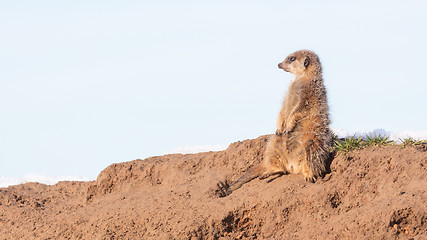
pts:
[291, 59]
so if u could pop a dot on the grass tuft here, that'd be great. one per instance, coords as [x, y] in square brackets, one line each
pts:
[348, 144]
[407, 142]
[345, 145]
[378, 140]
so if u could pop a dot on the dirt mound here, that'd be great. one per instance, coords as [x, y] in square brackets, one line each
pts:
[374, 193]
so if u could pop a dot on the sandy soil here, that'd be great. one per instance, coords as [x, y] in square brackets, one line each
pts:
[374, 193]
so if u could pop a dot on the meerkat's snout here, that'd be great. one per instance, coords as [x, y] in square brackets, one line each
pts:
[284, 66]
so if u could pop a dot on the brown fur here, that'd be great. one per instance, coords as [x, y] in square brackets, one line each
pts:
[302, 139]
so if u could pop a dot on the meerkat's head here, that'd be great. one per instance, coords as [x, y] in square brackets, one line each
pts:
[302, 63]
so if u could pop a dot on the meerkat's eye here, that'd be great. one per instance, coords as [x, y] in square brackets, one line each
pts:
[292, 59]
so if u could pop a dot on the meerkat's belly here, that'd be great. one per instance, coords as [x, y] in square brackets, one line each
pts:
[295, 159]
[293, 167]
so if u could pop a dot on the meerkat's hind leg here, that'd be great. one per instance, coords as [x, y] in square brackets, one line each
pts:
[315, 163]
[308, 171]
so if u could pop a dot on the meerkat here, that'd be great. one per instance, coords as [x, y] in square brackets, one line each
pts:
[302, 140]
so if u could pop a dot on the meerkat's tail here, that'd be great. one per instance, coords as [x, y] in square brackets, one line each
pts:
[260, 170]
[253, 173]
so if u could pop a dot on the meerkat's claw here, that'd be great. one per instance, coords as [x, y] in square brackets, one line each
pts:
[223, 190]
[311, 179]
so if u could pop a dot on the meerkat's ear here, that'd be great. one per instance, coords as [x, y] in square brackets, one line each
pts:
[307, 61]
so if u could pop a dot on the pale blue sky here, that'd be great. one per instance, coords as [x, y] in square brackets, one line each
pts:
[84, 84]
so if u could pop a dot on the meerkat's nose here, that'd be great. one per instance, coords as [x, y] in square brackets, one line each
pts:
[280, 65]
